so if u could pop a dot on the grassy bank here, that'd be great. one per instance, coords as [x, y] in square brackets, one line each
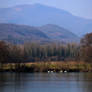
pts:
[48, 66]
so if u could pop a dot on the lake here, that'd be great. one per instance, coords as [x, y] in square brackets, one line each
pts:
[46, 82]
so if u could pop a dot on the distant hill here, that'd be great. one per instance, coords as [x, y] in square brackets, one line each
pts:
[19, 34]
[57, 33]
[38, 15]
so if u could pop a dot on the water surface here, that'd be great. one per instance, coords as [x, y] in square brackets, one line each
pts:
[46, 82]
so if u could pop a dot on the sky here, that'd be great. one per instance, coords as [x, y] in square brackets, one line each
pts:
[82, 8]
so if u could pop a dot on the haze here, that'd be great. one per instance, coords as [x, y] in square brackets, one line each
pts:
[80, 8]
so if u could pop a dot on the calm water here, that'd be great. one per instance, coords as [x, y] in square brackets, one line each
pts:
[40, 82]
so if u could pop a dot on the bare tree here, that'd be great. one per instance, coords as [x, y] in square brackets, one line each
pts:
[86, 47]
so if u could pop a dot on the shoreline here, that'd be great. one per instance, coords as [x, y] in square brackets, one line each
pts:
[49, 67]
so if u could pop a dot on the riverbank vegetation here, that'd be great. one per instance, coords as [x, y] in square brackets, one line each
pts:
[45, 57]
[59, 67]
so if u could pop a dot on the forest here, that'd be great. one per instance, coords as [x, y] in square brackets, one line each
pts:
[29, 56]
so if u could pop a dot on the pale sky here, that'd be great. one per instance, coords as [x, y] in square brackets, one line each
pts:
[82, 8]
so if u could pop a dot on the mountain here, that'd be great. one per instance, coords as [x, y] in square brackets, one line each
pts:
[18, 34]
[58, 33]
[38, 15]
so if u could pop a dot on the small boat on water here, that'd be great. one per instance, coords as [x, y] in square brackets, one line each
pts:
[65, 71]
[50, 71]
[61, 71]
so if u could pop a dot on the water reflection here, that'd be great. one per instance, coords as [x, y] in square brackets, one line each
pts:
[44, 82]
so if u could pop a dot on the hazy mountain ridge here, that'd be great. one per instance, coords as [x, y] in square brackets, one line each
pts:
[48, 33]
[21, 33]
[58, 33]
[38, 15]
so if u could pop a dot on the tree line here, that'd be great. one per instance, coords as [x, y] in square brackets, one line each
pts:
[33, 52]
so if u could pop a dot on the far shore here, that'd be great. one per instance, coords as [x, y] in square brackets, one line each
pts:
[49, 67]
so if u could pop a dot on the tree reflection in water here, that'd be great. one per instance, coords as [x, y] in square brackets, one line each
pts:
[45, 82]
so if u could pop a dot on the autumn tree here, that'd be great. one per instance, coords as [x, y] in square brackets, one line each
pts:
[86, 47]
[3, 53]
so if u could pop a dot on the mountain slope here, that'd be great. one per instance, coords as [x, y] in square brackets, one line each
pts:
[19, 34]
[38, 15]
[58, 33]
